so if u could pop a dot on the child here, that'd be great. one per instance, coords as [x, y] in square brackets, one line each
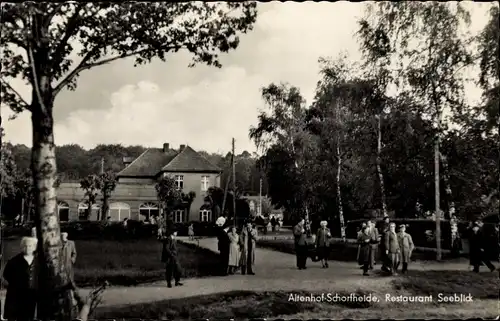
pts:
[364, 240]
[406, 247]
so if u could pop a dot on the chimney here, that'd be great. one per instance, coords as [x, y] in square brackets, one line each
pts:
[181, 148]
[127, 160]
[166, 147]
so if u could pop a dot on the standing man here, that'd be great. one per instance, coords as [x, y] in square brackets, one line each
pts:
[299, 234]
[223, 246]
[169, 257]
[374, 244]
[392, 249]
[68, 255]
[477, 249]
[406, 247]
[248, 241]
[383, 231]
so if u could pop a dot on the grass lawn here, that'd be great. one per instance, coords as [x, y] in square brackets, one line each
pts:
[129, 262]
[245, 304]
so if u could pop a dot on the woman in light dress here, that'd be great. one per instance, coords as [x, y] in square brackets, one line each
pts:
[234, 250]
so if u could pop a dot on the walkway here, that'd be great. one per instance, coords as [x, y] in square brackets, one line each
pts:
[274, 271]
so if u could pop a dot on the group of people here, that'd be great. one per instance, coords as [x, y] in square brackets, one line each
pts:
[237, 250]
[394, 248]
[307, 243]
[20, 274]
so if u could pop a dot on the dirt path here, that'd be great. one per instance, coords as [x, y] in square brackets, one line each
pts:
[274, 271]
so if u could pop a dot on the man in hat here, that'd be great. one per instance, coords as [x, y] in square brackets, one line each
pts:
[406, 246]
[248, 241]
[477, 246]
[169, 257]
[223, 246]
[68, 255]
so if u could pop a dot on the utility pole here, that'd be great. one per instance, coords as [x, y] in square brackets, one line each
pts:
[234, 185]
[102, 165]
[260, 196]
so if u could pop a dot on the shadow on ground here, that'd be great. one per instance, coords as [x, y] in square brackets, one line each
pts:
[235, 304]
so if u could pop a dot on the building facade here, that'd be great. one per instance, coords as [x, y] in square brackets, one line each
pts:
[135, 194]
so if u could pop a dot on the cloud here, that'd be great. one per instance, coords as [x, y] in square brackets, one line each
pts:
[202, 106]
[205, 115]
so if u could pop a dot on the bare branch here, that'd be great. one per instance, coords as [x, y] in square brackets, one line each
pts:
[84, 65]
[6, 84]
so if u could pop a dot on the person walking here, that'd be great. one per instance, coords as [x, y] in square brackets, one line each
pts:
[248, 240]
[191, 232]
[392, 249]
[477, 249]
[299, 234]
[374, 244]
[169, 257]
[20, 274]
[68, 255]
[323, 237]
[364, 241]
[406, 247]
[456, 242]
[234, 250]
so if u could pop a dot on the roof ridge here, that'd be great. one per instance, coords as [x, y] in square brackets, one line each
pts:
[206, 159]
[135, 160]
[182, 151]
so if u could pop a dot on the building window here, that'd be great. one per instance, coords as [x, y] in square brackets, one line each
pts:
[179, 216]
[148, 210]
[63, 211]
[83, 215]
[205, 215]
[118, 211]
[179, 181]
[204, 183]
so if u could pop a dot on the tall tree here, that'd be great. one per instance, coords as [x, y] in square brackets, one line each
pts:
[432, 52]
[283, 130]
[377, 53]
[8, 172]
[46, 33]
[91, 186]
[106, 185]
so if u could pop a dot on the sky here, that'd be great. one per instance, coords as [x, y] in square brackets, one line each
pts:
[204, 107]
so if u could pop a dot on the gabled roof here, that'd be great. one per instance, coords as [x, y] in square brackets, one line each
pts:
[148, 163]
[188, 160]
[155, 160]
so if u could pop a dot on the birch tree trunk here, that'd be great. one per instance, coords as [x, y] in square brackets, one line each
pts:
[379, 165]
[339, 194]
[437, 197]
[55, 300]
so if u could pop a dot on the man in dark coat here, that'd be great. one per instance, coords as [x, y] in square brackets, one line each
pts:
[299, 233]
[169, 257]
[223, 245]
[382, 250]
[477, 246]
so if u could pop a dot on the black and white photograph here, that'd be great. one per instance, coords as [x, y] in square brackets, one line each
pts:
[249, 160]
